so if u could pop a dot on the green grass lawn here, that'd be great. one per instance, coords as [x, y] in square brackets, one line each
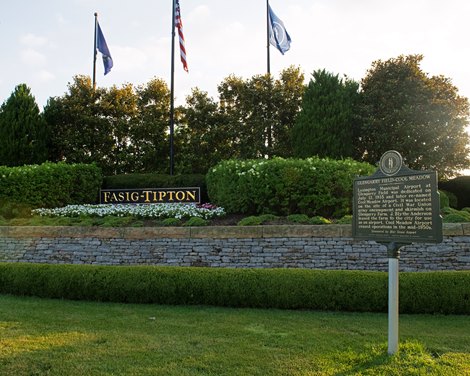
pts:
[54, 337]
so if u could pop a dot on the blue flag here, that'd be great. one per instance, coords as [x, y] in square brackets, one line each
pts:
[278, 35]
[103, 48]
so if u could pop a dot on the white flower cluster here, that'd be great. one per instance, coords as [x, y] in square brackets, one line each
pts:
[150, 211]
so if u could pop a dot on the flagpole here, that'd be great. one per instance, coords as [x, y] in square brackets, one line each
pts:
[267, 36]
[94, 52]
[172, 89]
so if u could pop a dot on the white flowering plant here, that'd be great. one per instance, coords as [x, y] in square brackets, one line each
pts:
[144, 211]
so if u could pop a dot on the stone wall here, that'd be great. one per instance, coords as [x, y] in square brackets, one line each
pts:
[314, 247]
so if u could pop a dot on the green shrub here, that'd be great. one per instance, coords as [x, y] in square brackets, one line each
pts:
[252, 220]
[171, 222]
[257, 220]
[196, 221]
[443, 199]
[455, 216]
[312, 186]
[9, 210]
[460, 187]
[50, 184]
[346, 220]
[299, 218]
[436, 292]
[318, 220]
[453, 201]
[113, 221]
[302, 218]
[431, 292]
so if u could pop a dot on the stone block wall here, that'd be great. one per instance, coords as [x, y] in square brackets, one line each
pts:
[300, 246]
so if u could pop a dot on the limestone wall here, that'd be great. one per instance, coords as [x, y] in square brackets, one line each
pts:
[301, 246]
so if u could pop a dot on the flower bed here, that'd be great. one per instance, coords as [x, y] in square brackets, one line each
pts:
[146, 211]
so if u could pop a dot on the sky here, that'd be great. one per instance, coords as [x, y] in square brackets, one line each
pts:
[45, 43]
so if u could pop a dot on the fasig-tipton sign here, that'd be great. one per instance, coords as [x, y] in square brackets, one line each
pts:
[151, 196]
[397, 204]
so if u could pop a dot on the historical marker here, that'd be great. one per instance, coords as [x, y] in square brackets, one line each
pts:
[397, 204]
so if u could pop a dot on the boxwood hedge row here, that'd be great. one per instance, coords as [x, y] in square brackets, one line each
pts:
[361, 291]
[312, 186]
[50, 184]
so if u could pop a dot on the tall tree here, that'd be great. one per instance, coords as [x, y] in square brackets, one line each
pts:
[23, 131]
[422, 117]
[80, 130]
[119, 107]
[260, 112]
[149, 130]
[327, 122]
[289, 90]
[123, 130]
[202, 135]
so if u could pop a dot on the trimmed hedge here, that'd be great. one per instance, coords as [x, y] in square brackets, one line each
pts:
[50, 184]
[434, 292]
[460, 187]
[129, 181]
[312, 186]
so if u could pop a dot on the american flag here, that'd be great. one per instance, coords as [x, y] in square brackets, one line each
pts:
[179, 26]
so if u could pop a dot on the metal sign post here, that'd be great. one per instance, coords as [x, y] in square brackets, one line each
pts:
[393, 253]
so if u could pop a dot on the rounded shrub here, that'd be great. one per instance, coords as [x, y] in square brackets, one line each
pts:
[196, 221]
[312, 186]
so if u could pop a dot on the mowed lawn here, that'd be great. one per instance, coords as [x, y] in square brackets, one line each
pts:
[54, 337]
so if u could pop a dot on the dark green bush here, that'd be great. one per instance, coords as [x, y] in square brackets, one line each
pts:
[298, 218]
[346, 220]
[443, 200]
[129, 181]
[312, 186]
[9, 210]
[319, 220]
[50, 184]
[434, 292]
[171, 222]
[254, 220]
[460, 187]
[304, 219]
[454, 216]
[196, 221]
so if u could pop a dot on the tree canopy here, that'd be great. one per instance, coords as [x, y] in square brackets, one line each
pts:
[423, 117]
[121, 129]
[125, 129]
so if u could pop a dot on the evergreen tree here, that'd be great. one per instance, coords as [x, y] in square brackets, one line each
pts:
[327, 122]
[23, 131]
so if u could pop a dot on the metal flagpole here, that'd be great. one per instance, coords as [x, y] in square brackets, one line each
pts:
[172, 89]
[94, 52]
[267, 36]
